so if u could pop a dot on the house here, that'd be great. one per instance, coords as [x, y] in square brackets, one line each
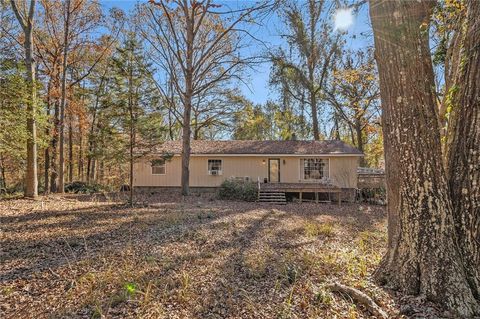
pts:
[304, 163]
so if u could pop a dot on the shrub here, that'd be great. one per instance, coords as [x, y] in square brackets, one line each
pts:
[81, 187]
[237, 189]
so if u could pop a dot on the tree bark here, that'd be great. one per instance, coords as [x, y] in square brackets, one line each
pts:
[3, 174]
[463, 146]
[63, 101]
[313, 103]
[132, 127]
[80, 154]
[359, 138]
[93, 171]
[312, 64]
[423, 257]
[54, 148]
[31, 178]
[70, 150]
[46, 175]
[187, 111]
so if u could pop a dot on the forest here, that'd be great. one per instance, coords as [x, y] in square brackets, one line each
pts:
[88, 88]
[108, 81]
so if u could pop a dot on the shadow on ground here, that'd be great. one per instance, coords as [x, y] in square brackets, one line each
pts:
[186, 258]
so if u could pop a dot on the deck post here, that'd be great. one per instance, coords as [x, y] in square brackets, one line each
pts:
[316, 197]
[300, 196]
[339, 197]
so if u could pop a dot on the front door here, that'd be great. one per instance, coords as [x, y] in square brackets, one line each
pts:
[274, 170]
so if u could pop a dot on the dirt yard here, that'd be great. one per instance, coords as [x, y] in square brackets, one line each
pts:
[78, 257]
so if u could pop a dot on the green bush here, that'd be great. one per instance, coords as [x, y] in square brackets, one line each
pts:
[237, 189]
[81, 187]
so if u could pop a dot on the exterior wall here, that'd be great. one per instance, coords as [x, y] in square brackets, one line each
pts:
[342, 170]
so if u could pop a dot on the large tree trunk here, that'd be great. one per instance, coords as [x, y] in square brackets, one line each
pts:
[312, 62]
[463, 147]
[63, 101]
[424, 259]
[26, 22]
[186, 148]
[31, 178]
[187, 110]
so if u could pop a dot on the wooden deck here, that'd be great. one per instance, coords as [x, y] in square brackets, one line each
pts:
[301, 188]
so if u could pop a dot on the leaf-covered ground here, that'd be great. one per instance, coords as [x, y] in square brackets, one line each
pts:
[91, 257]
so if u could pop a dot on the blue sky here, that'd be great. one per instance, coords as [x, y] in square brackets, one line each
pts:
[359, 35]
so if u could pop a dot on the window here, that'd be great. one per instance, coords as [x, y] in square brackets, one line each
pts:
[214, 167]
[158, 167]
[314, 168]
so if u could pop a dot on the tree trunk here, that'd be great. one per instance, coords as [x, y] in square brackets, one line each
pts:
[311, 61]
[132, 143]
[3, 174]
[63, 101]
[359, 138]
[463, 147]
[93, 171]
[132, 128]
[46, 176]
[70, 151]
[31, 178]
[54, 148]
[80, 154]
[187, 110]
[101, 171]
[313, 104]
[423, 259]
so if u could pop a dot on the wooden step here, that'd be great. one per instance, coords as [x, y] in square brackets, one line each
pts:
[274, 197]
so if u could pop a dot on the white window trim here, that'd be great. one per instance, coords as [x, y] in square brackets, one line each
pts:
[165, 170]
[301, 169]
[221, 165]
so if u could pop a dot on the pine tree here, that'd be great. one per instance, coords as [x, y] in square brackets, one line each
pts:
[136, 99]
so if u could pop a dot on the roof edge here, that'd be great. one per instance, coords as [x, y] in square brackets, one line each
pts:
[273, 154]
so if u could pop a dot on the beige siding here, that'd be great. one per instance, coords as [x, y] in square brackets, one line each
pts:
[342, 170]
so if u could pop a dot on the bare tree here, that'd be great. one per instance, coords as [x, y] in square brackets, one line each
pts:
[63, 99]
[25, 16]
[354, 95]
[198, 45]
[315, 48]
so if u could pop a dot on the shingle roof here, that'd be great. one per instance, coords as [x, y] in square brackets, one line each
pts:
[261, 147]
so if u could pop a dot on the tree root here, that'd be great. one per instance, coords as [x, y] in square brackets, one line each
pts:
[360, 297]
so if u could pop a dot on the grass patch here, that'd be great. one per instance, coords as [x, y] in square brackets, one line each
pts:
[316, 229]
